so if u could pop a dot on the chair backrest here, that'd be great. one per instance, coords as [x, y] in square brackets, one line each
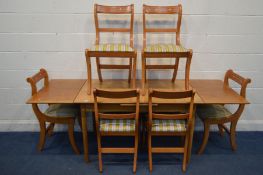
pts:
[42, 74]
[162, 10]
[133, 95]
[243, 82]
[129, 9]
[187, 98]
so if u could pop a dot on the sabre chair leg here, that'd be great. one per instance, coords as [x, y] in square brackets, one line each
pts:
[71, 137]
[42, 135]
[50, 129]
[233, 135]
[221, 130]
[205, 138]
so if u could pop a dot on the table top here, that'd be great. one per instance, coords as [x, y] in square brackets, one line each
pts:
[75, 91]
[58, 91]
[83, 96]
[214, 92]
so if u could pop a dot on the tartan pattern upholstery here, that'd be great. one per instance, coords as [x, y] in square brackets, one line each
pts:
[117, 125]
[212, 111]
[112, 48]
[168, 125]
[165, 48]
[62, 110]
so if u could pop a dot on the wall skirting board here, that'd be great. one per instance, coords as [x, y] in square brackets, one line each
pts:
[32, 126]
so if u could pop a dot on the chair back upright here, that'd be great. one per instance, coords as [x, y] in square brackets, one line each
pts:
[148, 10]
[102, 9]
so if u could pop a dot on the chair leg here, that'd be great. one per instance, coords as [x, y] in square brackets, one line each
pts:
[79, 121]
[130, 69]
[150, 151]
[42, 136]
[99, 152]
[71, 137]
[135, 153]
[221, 129]
[205, 138]
[176, 65]
[50, 129]
[185, 151]
[98, 68]
[233, 135]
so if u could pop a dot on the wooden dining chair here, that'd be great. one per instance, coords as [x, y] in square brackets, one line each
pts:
[112, 50]
[117, 124]
[54, 114]
[164, 50]
[216, 114]
[170, 124]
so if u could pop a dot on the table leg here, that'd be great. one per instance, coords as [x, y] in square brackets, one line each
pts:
[191, 136]
[84, 132]
[143, 74]
[134, 70]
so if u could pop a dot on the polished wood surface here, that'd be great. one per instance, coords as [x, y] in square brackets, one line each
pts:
[214, 92]
[58, 91]
[84, 97]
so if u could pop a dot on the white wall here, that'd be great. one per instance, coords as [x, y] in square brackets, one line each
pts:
[54, 33]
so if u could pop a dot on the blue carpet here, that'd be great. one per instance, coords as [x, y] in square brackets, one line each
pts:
[18, 155]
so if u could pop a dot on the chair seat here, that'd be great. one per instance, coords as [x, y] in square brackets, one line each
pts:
[165, 48]
[212, 111]
[62, 110]
[112, 48]
[118, 125]
[168, 125]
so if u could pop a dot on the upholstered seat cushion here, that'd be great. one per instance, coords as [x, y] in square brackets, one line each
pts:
[212, 111]
[117, 125]
[112, 48]
[165, 48]
[62, 110]
[168, 125]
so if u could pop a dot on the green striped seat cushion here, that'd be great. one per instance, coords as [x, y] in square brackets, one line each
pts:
[62, 110]
[165, 48]
[112, 48]
[168, 125]
[117, 125]
[212, 111]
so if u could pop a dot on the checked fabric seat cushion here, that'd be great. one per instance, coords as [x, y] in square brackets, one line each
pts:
[117, 125]
[168, 125]
[112, 48]
[165, 48]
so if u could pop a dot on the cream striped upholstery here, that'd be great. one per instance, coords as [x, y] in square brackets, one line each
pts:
[212, 111]
[62, 110]
[165, 48]
[112, 48]
[168, 125]
[117, 125]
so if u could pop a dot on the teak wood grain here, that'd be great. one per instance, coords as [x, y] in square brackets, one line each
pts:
[58, 91]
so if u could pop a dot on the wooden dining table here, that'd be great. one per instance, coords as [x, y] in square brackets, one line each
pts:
[76, 91]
